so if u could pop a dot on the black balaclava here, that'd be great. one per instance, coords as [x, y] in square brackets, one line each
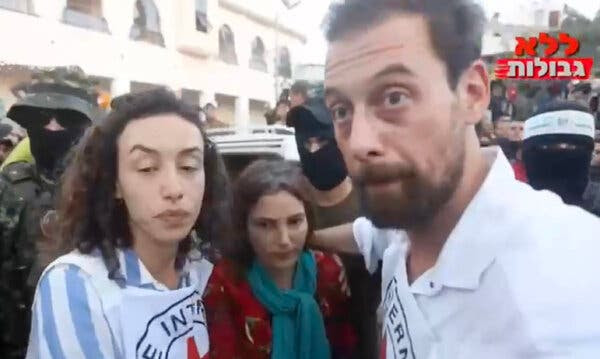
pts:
[325, 168]
[555, 161]
[49, 148]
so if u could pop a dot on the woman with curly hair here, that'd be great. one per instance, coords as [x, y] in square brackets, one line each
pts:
[144, 187]
[271, 297]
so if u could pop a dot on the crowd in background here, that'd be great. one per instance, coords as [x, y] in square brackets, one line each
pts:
[515, 102]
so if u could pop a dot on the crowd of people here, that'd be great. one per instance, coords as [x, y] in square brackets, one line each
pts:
[561, 158]
[432, 214]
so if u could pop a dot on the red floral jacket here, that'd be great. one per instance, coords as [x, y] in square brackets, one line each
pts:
[240, 327]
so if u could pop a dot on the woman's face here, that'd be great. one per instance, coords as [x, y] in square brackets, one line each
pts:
[277, 229]
[161, 177]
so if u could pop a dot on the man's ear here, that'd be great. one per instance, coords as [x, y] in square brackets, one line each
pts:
[474, 91]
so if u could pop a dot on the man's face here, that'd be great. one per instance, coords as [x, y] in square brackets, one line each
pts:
[581, 97]
[399, 125]
[296, 99]
[516, 131]
[503, 128]
[282, 110]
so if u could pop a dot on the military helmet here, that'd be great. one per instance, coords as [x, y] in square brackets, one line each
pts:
[59, 88]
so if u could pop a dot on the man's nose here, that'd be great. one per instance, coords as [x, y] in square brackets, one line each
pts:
[364, 141]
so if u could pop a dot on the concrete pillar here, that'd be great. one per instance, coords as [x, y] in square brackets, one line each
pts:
[242, 112]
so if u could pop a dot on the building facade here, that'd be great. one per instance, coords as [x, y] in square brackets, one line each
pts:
[232, 53]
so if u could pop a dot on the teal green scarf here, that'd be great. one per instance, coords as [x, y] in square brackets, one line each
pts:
[297, 324]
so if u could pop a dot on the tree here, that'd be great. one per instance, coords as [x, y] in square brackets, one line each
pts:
[584, 29]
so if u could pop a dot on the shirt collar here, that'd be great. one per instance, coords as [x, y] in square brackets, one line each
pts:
[134, 273]
[481, 231]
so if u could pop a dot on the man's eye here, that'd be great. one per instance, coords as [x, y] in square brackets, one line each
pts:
[395, 98]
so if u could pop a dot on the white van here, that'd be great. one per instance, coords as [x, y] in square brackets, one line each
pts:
[240, 146]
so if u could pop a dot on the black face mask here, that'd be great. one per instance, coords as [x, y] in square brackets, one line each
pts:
[325, 168]
[564, 172]
[50, 147]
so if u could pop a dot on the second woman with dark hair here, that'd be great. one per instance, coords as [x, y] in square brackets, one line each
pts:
[271, 298]
[145, 184]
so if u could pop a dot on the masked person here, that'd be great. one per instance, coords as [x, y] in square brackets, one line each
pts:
[271, 297]
[144, 187]
[475, 263]
[55, 108]
[335, 202]
[557, 150]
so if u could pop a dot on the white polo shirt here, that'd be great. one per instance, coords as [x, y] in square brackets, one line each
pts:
[518, 277]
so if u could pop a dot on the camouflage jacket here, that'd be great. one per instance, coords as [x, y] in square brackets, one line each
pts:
[26, 201]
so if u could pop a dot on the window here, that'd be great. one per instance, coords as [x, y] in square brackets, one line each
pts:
[86, 14]
[191, 97]
[146, 23]
[284, 63]
[201, 16]
[257, 60]
[227, 45]
[25, 6]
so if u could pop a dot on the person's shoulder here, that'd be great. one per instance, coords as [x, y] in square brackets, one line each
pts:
[331, 273]
[20, 171]
[225, 280]
[550, 256]
[86, 266]
[228, 290]
[539, 215]
[19, 182]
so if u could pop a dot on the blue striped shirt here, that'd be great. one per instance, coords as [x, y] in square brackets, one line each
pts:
[68, 319]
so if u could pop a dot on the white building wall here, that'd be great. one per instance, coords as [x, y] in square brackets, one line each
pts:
[188, 60]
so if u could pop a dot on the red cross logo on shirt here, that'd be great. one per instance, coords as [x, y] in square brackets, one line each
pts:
[192, 350]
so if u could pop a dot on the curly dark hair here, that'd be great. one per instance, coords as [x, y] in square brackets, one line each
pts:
[89, 215]
[260, 178]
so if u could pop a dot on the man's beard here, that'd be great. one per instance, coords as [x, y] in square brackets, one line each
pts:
[413, 199]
